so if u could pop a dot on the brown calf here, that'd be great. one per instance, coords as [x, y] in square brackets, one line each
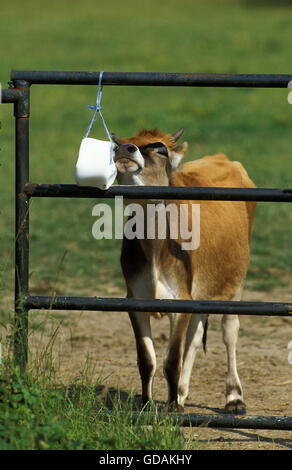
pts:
[161, 269]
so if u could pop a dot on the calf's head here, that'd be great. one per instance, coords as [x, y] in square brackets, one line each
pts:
[148, 158]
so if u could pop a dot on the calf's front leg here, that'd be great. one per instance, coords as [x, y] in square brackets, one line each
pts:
[174, 357]
[146, 357]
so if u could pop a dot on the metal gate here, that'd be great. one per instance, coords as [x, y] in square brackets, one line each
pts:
[19, 94]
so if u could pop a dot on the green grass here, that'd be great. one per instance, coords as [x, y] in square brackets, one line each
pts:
[250, 125]
[37, 414]
[39, 411]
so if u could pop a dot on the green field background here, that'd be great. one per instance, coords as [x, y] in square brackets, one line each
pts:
[249, 125]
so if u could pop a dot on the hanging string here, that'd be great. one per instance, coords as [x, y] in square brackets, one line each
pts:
[97, 109]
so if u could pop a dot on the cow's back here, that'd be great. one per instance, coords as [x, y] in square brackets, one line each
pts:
[221, 261]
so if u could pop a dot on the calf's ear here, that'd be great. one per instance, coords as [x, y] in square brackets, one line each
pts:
[177, 155]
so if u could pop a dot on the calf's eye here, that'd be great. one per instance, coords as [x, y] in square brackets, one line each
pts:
[162, 150]
[158, 146]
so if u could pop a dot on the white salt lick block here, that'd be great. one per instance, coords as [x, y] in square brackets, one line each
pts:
[95, 165]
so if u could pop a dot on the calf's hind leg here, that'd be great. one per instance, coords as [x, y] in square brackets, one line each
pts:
[193, 341]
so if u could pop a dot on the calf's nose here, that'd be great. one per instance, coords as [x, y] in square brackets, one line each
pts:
[131, 148]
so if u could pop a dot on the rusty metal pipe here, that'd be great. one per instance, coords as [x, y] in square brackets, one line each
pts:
[161, 192]
[10, 95]
[50, 77]
[280, 423]
[21, 113]
[158, 305]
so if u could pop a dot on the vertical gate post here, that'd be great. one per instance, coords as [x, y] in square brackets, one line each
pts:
[21, 113]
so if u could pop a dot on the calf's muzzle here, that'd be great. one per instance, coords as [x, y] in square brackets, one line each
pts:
[128, 158]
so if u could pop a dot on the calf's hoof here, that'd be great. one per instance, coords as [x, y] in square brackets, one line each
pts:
[235, 407]
[174, 407]
[148, 405]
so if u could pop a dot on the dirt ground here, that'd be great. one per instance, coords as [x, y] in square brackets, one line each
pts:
[106, 339]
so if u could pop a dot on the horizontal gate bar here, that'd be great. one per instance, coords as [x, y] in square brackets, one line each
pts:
[283, 423]
[10, 95]
[161, 192]
[152, 79]
[158, 305]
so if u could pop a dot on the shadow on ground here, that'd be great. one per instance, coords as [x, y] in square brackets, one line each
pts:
[113, 398]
